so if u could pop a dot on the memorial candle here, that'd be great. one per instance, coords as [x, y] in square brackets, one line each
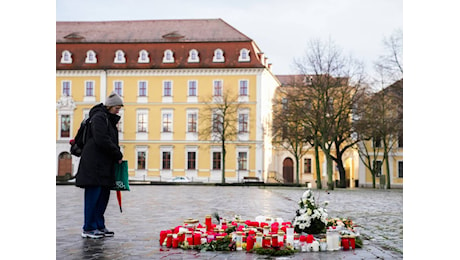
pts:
[250, 243]
[169, 240]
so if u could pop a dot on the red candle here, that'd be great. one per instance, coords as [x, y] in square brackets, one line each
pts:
[197, 239]
[274, 241]
[181, 237]
[352, 242]
[162, 236]
[190, 241]
[169, 240]
[310, 239]
[275, 227]
[208, 222]
[266, 242]
[345, 243]
[250, 243]
[175, 242]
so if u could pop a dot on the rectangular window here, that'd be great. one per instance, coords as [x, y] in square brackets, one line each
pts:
[191, 160]
[167, 88]
[166, 161]
[307, 165]
[243, 123]
[217, 122]
[89, 88]
[191, 122]
[400, 169]
[400, 140]
[142, 85]
[243, 87]
[118, 87]
[192, 88]
[242, 161]
[65, 125]
[66, 88]
[217, 88]
[142, 122]
[167, 122]
[141, 160]
[216, 159]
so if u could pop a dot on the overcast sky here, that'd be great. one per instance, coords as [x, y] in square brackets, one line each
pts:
[281, 29]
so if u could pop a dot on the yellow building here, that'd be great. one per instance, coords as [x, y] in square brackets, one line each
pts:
[167, 72]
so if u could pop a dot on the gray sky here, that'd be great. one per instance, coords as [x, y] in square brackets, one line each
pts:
[281, 29]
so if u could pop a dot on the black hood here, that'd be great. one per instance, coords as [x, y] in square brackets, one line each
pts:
[101, 108]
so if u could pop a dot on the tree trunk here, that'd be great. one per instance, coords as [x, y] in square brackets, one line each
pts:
[297, 169]
[330, 182]
[342, 175]
[319, 185]
[387, 164]
[223, 161]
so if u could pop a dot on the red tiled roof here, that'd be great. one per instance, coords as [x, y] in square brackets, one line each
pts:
[154, 36]
[199, 30]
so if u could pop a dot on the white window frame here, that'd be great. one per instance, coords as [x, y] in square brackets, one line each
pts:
[141, 173]
[166, 173]
[89, 98]
[142, 99]
[193, 56]
[221, 87]
[91, 57]
[167, 136]
[142, 135]
[66, 57]
[168, 56]
[62, 88]
[122, 87]
[71, 135]
[242, 57]
[191, 136]
[244, 136]
[243, 98]
[218, 56]
[192, 99]
[167, 99]
[143, 59]
[191, 148]
[119, 57]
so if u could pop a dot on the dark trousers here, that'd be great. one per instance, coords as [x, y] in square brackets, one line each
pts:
[96, 200]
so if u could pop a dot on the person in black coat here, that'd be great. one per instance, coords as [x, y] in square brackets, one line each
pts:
[96, 169]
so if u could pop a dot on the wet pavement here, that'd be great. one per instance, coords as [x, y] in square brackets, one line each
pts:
[148, 209]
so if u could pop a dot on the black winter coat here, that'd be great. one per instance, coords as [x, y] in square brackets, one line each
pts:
[101, 150]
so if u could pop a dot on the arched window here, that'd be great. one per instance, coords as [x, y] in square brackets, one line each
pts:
[143, 57]
[218, 56]
[66, 57]
[119, 57]
[91, 57]
[244, 55]
[193, 56]
[168, 56]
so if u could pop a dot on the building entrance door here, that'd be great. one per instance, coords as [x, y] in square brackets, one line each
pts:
[288, 170]
[65, 164]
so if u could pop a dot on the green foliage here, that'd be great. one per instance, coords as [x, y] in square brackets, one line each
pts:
[274, 252]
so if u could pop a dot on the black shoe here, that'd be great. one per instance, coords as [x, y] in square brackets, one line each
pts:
[107, 233]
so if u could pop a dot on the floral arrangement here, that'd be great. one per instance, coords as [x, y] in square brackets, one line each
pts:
[310, 217]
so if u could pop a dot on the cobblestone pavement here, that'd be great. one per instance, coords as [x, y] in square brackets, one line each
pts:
[151, 208]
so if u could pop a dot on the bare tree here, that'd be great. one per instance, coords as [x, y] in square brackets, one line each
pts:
[334, 87]
[380, 124]
[219, 121]
[289, 131]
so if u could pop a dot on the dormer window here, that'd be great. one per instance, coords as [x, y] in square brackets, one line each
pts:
[119, 57]
[244, 55]
[193, 56]
[143, 57]
[168, 56]
[218, 56]
[91, 57]
[66, 57]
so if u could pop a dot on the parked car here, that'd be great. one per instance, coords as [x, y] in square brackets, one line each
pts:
[180, 179]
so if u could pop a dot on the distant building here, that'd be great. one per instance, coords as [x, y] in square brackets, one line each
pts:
[164, 70]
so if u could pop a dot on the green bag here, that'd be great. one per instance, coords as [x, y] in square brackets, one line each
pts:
[121, 176]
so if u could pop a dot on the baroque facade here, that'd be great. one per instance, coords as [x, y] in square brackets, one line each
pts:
[167, 72]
